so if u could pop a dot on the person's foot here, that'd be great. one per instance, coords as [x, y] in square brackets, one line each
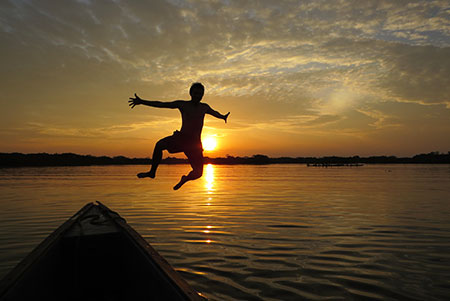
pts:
[182, 181]
[148, 174]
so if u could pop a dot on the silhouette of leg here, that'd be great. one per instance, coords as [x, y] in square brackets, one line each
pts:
[157, 156]
[156, 159]
[196, 160]
[183, 180]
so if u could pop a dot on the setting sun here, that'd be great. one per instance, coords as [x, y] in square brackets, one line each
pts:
[209, 143]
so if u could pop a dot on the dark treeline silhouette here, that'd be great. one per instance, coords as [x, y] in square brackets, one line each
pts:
[70, 159]
[66, 159]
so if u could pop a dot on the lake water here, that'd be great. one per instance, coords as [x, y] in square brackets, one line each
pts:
[275, 232]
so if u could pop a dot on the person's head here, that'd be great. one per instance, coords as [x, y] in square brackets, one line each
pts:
[196, 91]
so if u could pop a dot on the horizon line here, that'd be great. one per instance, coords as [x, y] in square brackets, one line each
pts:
[233, 156]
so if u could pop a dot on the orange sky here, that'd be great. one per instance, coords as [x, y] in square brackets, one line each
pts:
[300, 78]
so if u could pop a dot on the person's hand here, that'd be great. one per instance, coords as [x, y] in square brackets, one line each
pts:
[134, 101]
[226, 116]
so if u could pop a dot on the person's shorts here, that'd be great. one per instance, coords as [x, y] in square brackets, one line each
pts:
[180, 143]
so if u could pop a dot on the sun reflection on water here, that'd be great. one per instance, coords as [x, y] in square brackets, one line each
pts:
[209, 185]
[209, 178]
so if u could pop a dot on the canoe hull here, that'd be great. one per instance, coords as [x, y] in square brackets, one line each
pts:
[95, 255]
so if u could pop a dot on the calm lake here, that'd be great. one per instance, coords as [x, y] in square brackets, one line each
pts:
[275, 232]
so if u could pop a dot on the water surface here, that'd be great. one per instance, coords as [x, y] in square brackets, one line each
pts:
[276, 232]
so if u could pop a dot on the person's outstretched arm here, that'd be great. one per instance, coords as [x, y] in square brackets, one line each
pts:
[136, 100]
[216, 114]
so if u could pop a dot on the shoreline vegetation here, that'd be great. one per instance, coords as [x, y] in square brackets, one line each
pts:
[70, 159]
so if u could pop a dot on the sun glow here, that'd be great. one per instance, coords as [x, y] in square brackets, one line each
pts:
[209, 143]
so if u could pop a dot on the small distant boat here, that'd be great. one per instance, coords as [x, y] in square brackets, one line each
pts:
[95, 255]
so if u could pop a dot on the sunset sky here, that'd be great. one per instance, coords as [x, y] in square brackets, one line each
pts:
[300, 78]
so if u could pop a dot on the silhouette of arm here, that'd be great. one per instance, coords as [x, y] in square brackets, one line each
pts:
[136, 100]
[216, 114]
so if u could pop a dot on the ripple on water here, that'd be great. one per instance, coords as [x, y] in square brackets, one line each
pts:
[289, 233]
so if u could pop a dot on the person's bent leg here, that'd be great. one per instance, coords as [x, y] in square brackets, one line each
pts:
[196, 161]
[156, 158]
[193, 175]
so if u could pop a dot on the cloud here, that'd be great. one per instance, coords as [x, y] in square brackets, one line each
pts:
[382, 120]
[419, 74]
[240, 44]
[38, 129]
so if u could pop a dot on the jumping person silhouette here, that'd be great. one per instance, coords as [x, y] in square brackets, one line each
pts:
[188, 139]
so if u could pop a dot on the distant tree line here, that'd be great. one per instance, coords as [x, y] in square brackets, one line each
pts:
[65, 159]
[430, 158]
[70, 159]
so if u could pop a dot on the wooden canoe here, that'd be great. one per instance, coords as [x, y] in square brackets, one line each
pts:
[95, 255]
